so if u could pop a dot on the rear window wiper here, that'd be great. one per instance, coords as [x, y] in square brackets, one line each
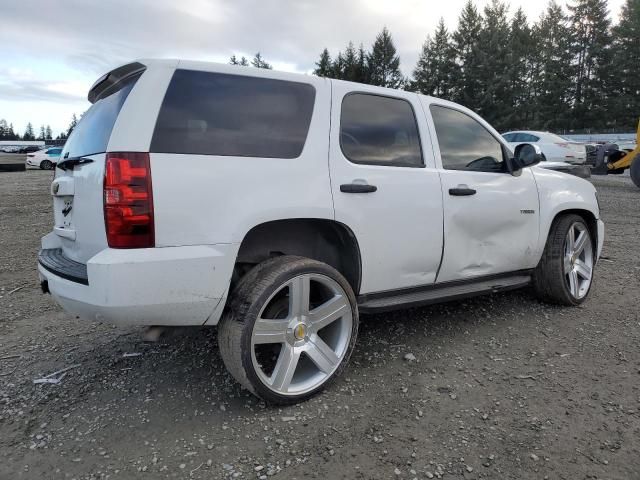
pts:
[70, 162]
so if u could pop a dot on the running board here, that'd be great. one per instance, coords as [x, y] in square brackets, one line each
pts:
[415, 297]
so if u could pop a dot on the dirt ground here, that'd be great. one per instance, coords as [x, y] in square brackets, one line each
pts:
[502, 386]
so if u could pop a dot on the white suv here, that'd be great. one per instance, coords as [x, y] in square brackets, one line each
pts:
[281, 206]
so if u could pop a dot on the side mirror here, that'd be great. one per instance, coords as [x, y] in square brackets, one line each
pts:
[526, 155]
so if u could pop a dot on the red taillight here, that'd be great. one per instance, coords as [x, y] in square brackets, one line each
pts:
[128, 201]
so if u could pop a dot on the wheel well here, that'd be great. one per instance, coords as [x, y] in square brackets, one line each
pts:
[324, 240]
[588, 217]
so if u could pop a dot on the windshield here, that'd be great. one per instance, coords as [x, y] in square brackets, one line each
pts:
[92, 133]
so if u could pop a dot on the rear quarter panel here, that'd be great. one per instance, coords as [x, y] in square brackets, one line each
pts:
[206, 199]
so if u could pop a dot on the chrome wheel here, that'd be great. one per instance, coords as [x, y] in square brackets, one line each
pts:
[302, 334]
[578, 260]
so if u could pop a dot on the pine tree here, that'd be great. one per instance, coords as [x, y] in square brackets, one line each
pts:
[350, 67]
[591, 40]
[625, 110]
[492, 67]
[259, 62]
[243, 62]
[48, 133]
[72, 125]
[552, 72]
[4, 129]
[42, 133]
[362, 72]
[519, 57]
[434, 71]
[28, 133]
[465, 43]
[12, 134]
[383, 64]
[337, 67]
[233, 60]
[323, 65]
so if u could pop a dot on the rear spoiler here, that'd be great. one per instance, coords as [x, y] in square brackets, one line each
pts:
[108, 83]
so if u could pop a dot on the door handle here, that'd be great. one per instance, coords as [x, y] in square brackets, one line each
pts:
[461, 191]
[357, 188]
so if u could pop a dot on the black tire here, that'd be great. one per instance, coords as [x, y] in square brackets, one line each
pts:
[549, 282]
[249, 297]
[634, 170]
[46, 165]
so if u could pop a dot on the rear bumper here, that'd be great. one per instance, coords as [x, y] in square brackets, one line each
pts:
[155, 286]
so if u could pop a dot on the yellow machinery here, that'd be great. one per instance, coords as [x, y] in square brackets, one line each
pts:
[630, 160]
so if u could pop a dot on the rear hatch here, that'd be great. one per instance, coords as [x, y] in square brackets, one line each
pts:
[77, 188]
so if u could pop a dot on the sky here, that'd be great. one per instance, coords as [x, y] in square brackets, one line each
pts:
[51, 51]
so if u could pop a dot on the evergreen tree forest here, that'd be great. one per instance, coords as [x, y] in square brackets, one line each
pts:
[572, 69]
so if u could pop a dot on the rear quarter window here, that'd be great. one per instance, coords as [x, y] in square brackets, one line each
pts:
[93, 131]
[207, 113]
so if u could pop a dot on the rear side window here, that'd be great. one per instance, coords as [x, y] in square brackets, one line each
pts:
[207, 113]
[92, 133]
[377, 130]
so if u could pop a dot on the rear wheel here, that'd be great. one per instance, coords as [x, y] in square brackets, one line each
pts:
[634, 170]
[565, 272]
[46, 165]
[290, 329]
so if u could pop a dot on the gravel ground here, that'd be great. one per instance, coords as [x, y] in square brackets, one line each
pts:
[495, 387]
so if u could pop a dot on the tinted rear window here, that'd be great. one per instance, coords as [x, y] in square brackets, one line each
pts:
[233, 115]
[92, 133]
[376, 130]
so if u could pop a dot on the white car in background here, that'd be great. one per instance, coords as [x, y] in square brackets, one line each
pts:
[557, 151]
[44, 159]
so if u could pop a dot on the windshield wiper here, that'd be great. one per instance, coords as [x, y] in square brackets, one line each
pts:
[70, 162]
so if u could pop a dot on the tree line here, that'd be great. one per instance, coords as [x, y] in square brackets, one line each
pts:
[569, 70]
[7, 132]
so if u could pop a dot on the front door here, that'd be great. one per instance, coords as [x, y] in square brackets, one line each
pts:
[385, 185]
[490, 216]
